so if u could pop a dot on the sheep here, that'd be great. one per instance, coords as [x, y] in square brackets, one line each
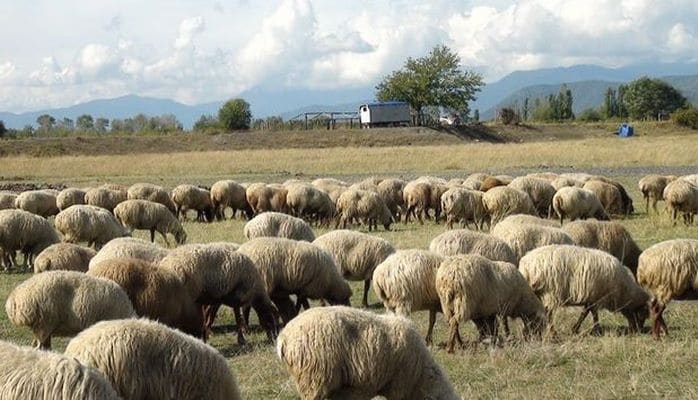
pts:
[668, 270]
[564, 182]
[523, 238]
[404, 283]
[626, 202]
[539, 190]
[609, 236]
[127, 247]
[390, 190]
[608, 195]
[87, 223]
[295, 267]
[460, 204]
[357, 254]
[333, 187]
[693, 179]
[60, 303]
[564, 275]
[519, 219]
[148, 215]
[64, 256]
[154, 193]
[502, 201]
[681, 196]
[363, 205]
[7, 200]
[472, 287]
[416, 199]
[340, 352]
[263, 197]
[491, 182]
[228, 193]
[70, 197]
[27, 373]
[106, 197]
[23, 231]
[39, 202]
[305, 200]
[190, 197]
[474, 180]
[215, 274]
[144, 359]
[463, 241]
[274, 224]
[548, 176]
[574, 202]
[156, 293]
[652, 189]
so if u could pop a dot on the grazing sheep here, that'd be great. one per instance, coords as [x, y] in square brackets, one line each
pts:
[390, 190]
[404, 282]
[460, 204]
[263, 198]
[523, 238]
[333, 187]
[563, 275]
[574, 202]
[39, 202]
[148, 215]
[357, 254]
[471, 287]
[190, 197]
[548, 176]
[668, 270]
[7, 200]
[305, 200]
[652, 188]
[228, 193]
[274, 224]
[416, 198]
[295, 267]
[520, 219]
[340, 352]
[502, 201]
[23, 231]
[609, 236]
[61, 303]
[155, 293]
[681, 196]
[626, 203]
[608, 195]
[154, 193]
[128, 247]
[539, 190]
[363, 205]
[27, 373]
[491, 182]
[564, 182]
[64, 256]
[70, 197]
[91, 224]
[693, 179]
[106, 197]
[144, 359]
[215, 274]
[463, 241]
[474, 180]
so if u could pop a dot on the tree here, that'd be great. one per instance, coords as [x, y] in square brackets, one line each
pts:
[206, 122]
[101, 124]
[508, 116]
[66, 124]
[85, 122]
[647, 98]
[476, 115]
[235, 114]
[433, 80]
[3, 129]
[46, 122]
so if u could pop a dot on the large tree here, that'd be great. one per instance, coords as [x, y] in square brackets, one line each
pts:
[235, 114]
[647, 98]
[3, 129]
[46, 122]
[433, 80]
[85, 122]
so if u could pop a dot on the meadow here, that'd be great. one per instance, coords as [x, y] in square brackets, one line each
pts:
[571, 366]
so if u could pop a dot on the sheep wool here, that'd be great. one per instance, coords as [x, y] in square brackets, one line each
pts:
[64, 256]
[464, 241]
[88, 223]
[652, 188]
[39, 202]
[154, 193]
[228, 193]
[70, 197]
[274, 224]
[127, 247]
[502, 201]
[523, 238]
[340, 352]
[573, 203]
[151, 216]
[22, 230]
[609, 236]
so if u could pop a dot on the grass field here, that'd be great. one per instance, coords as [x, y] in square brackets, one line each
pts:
[581, 366]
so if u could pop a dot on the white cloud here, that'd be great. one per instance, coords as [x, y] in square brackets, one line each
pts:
[189, 28]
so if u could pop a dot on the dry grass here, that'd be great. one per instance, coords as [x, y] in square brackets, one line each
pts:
[582, 366]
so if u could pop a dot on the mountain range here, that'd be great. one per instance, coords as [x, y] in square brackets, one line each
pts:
[587, 82]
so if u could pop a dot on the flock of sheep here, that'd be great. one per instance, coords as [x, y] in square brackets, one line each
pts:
[526, 266]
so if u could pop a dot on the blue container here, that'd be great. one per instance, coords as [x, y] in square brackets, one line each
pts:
[626, 130]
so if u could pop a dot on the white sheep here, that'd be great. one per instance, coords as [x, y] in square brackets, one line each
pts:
[472, 287]
[7, 200]
[151, 216]
[144, 359]
[460, 204]
[463, 241]
[27, 373]
[127, 247]
[523, 238]
[64, 256]
[91, 224]
[573, 203]
[22, 230]
[39, 202]
[228, 193]
[529, 220]
[357, 254]
[669, 270]
[563, 275]
[274, 224]
[61, 303]
[340, 352]
[404, 283]
[263, 197]
[363, 205]
[305, 200]
[70, 197]
[681, 196]
[652, 188]
[609, 196]
[190, 197]
[563, 181]
[539, 190]
[502, 201]
[390, 190]
[154, 193]
[106, 196]
[609, 236]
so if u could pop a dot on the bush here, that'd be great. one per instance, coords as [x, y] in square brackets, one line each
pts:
[590, 115]
[235, 115]
[508, 116]
[686, 117]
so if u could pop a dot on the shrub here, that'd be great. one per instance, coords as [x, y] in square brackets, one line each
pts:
[686, 117]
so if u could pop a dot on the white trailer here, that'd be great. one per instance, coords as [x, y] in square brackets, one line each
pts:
[386, 113]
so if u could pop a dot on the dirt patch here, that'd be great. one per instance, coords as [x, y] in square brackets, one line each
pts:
[11, 184]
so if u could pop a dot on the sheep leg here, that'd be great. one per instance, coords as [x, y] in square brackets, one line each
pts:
[164, 237]
[582, 317]
[596, 330]
[505, 323]
[367, 286]
[430, 329]
[656, 312]
[241, 326]
[452, 335]
[152, 235]
[285, 307]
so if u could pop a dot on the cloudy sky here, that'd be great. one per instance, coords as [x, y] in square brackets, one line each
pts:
[62, 52]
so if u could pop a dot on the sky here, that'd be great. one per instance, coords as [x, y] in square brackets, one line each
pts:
[56, 53]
